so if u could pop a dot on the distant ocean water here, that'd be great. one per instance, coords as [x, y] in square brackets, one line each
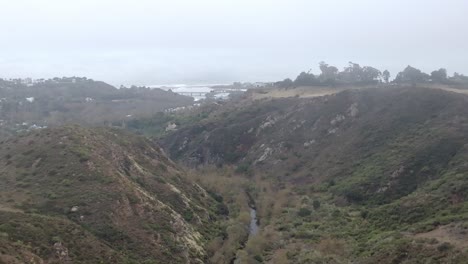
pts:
[197, 91]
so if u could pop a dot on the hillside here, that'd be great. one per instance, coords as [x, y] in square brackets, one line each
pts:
[83, 101]
[358, 176]
[372, 175]
[76, 195]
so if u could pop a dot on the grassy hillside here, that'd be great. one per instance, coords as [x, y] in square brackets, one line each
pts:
[360, 176]
[374, 175]
[76, 195]
[79, 101]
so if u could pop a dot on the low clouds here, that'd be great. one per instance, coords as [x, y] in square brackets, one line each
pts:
[152, 42]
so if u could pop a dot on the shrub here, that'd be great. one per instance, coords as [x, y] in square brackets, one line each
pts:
[244, 168]
[364, 214]
[444, 247]
[188, 215]
[222, 209]
[303, 212]
[316, 204]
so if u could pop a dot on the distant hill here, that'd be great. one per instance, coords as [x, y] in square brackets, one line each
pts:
[388, 166]
[79, 100]
[76, 195]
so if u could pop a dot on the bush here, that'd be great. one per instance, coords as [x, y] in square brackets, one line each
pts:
[188, 215]
[364, 214]
[243, 168]
[222, 209]
[444, 247]
[316, 204]
[303, 212]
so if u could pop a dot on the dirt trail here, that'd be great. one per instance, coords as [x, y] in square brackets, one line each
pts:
[9, 209]
[453, 90]
[302, 92]
[312, 91]
[450, 234]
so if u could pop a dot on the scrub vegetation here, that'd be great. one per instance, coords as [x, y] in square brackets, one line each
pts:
[373, 175]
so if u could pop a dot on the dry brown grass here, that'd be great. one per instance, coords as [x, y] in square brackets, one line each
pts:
[9, 209]
[332, 246]
[302, 92]
[317, 91]
[452, 234]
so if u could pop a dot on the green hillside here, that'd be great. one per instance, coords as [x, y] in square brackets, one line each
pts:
[76, 195]
[83, 101]
[375, 175]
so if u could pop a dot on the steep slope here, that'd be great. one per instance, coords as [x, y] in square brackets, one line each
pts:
[358, 175]
[76, 195]
[338, 137]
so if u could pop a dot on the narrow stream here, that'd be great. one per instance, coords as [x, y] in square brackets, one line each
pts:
[253, 229]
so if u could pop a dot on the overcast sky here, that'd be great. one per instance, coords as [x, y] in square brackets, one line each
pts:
[220, 41]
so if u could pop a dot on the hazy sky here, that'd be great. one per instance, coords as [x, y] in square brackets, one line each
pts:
[219, 41]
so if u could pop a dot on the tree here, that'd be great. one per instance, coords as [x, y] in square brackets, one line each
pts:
[328, 74]
[439, 76]
[285, 83]
[458, 78]
[352, 74]
[386, 76]
[355, 74]
[411, 75]
[305, 79]
[370, 74]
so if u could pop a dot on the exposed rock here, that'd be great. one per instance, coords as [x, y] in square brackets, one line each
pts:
[36, 163]
[171, 127]
[269, 122]
[184, 144]
[398, 172]
[338, 118]
[383, 189]
[301, 123]
[309, 143]
[265, 155]
[353, 110]
[62, 252]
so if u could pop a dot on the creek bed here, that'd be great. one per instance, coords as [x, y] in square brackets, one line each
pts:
[253, 228]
